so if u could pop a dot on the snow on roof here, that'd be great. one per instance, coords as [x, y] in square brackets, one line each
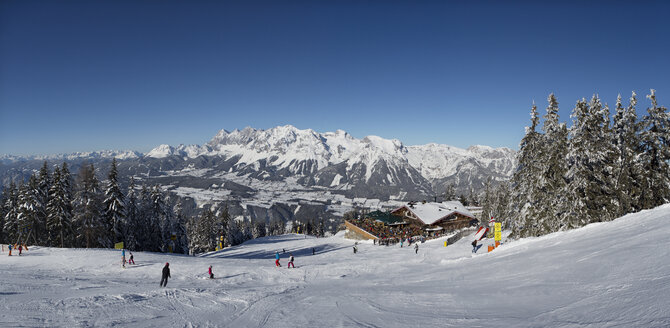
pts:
[430, 213]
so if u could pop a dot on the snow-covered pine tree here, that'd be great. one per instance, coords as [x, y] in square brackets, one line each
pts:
[181, 245]
[10, 225]
[320, 229]
[115, 216]
[43, 184]
[235, 234]
[259, 229]
[30, 223]
[590, 190]
[550, 205]
[472, 200]
[450, 192]
[655, 155]
[487, 199]
[157, 215]
[626, 129]
[88, 220]
[223, 220]
[3, 211]
[167, 225]
[59, 211]
[143, 225]
[132, 218]
[204, 240]
[501, 204]
[525, 187]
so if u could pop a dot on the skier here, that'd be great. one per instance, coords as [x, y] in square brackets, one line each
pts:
[416, 248]
[277, 264]
[10, 249]
[290, 261]
[474, 246]
[166, 275]
[131, 261]
[211, 275]
[20, 249]
[123, 257]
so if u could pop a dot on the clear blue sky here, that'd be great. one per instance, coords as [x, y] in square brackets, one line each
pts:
[94, 75]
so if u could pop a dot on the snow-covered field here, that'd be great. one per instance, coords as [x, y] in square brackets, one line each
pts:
[614, 274]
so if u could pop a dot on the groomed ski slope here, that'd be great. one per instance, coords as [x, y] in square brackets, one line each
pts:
[614, 274]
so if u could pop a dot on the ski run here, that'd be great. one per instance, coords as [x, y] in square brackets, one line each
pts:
[613, 274]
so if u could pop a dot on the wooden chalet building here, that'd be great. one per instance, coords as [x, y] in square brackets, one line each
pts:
[436, 218]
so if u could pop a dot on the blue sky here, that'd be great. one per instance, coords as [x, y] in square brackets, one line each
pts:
[94, 75]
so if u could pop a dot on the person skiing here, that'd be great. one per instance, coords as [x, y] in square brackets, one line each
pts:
[131, 261]
[474, 246]
[277, 264]
[211, 275]
[123, 257]
[166, 275]
[416, 248]
[20, 249]
[290, 261]
[10, 249]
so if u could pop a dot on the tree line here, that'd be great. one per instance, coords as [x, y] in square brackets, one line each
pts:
[57, 209]
[601, 167]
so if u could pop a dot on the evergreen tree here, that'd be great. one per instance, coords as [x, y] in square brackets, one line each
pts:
[144, 221]
[450, 192]
[487, 201]
[626, 130]
[525, 187]
[235, 234]
[157, 215]
[59, 211]
[29, 222]
[320, 230]
[11, 204]
[3, 212]
[259, 229]
[181, 245]
[132, 218]
[223, 219]
[88, 219]
[546, 211]
[655, 155]
[115, 216]
[42, 193]
[591, 157]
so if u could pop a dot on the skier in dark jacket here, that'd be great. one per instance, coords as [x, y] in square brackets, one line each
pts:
[166, 275]
[474, 246]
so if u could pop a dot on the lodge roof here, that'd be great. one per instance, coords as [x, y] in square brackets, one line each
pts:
[430, 213]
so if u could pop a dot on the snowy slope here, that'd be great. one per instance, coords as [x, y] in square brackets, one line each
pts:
[612, 274]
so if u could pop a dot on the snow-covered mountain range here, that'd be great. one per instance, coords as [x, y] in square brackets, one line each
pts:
[292, 166]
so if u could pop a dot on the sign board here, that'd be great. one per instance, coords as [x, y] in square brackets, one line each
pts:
[118, 245]
[498, 231]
